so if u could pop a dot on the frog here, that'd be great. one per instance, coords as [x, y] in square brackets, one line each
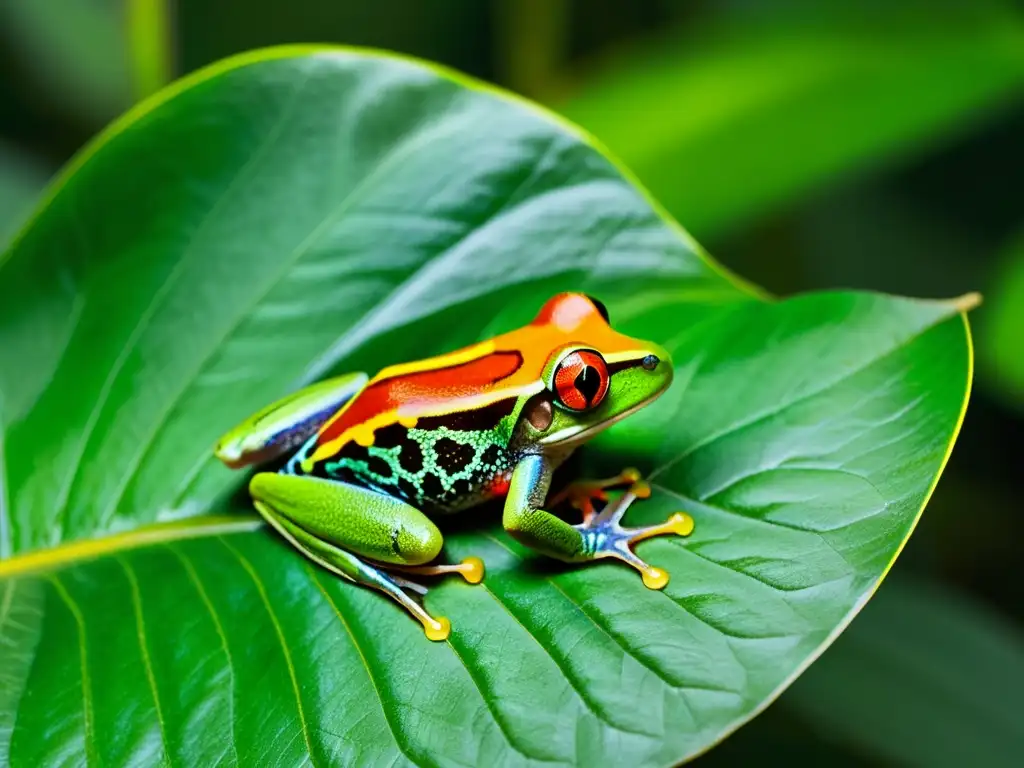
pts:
[366, 467]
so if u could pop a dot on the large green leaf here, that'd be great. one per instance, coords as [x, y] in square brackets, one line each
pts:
[729, 121]
[297, 212]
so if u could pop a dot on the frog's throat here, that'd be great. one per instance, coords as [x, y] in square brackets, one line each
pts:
[553, 441]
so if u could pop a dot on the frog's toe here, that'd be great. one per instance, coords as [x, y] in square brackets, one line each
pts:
[471, 569]
[437, 629]
[679, 524]
[434, 627]
[654, 578]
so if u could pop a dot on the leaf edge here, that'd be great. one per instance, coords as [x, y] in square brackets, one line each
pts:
[963, 305]
[300, 50]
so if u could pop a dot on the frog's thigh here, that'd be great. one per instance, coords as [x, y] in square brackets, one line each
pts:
[370, 524]
[285, 424]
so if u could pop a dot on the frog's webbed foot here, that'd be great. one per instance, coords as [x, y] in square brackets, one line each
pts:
[581, 494]
[603, 536]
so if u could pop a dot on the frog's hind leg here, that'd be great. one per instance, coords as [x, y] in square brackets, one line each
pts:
[581, 494]
[287, 423]
[338, 525]
[349, 566]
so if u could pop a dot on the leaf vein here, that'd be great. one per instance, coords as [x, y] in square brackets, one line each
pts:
[660, 674]
[147, 662]
[782, 408]
[818, 534]
[193, 576]
[297, 253]
[498, 718]
[570, 678]
[87, 712]
[261, 589]
[395, 730]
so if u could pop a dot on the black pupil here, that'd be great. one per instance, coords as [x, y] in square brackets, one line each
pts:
[601, 308]
[588, 382]
[650, 362]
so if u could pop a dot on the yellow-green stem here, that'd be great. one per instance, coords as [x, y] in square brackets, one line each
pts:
[149, 45]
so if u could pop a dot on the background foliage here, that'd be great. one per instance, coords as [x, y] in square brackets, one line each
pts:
[840, 151]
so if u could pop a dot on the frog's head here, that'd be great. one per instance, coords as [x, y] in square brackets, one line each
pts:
[593, 376]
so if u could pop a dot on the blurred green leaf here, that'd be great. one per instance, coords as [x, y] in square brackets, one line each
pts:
[296, 212]
[1001, 328]
[76, 51]
[21, 181]
[925, 676]
[454, 32]
[864, 235]
[530, 41]
[727, 122]
[779, 736]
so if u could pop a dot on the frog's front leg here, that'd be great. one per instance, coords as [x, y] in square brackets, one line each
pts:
[599, 536]
[336, 524]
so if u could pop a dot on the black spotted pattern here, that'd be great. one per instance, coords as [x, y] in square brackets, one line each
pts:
[431, 486]
[492, 456]
[379, 467]
[453, 457]
[410, 456]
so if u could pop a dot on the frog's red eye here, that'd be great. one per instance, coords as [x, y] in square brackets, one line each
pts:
[581, 380]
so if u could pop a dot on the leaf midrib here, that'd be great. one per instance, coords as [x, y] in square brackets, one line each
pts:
[72, 553]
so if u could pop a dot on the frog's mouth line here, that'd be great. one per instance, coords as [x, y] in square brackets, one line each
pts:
[589, 432]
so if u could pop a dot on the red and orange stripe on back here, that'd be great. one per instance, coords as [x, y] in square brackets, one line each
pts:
[509, 365]
[424, 388]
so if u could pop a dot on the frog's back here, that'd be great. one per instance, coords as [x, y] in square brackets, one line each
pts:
[434, 433]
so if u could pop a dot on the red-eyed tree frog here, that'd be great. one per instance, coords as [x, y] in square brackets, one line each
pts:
[368, 462]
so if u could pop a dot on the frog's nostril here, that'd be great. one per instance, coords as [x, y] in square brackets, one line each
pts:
[650, 362]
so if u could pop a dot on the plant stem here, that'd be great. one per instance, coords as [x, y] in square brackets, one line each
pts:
[149, 45]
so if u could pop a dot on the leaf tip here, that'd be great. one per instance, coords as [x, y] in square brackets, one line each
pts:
[968, 301]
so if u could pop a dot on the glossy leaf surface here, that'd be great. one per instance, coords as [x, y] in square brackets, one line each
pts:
[296, 213]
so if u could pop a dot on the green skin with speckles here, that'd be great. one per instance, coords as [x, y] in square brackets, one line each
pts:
[451, 469]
